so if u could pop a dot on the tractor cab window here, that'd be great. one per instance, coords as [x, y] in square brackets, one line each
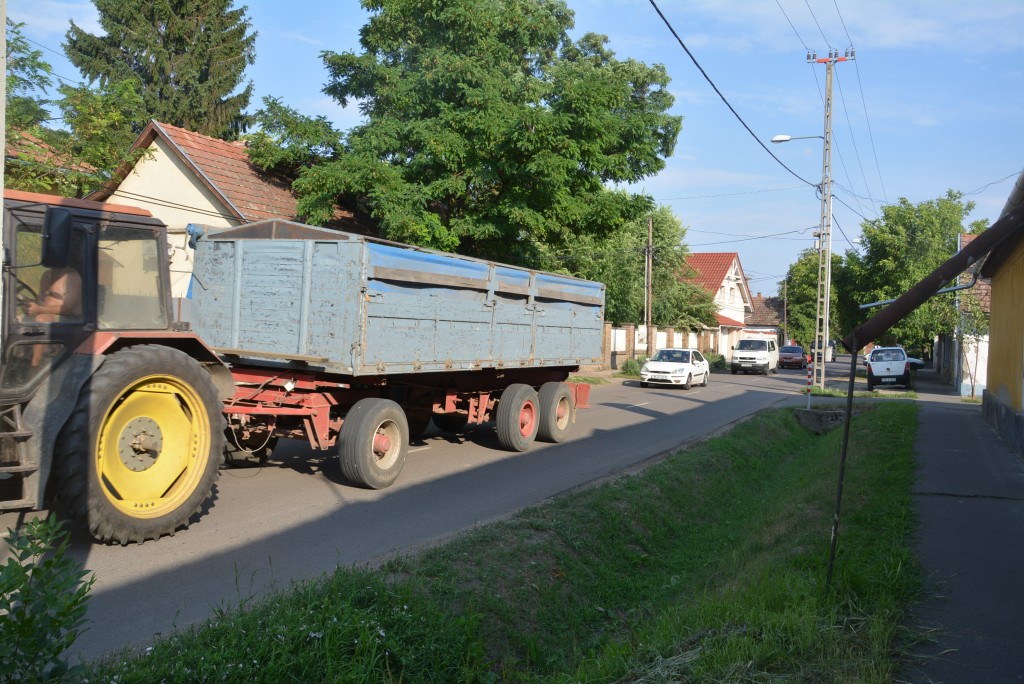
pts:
[130, 287]
[47, 295]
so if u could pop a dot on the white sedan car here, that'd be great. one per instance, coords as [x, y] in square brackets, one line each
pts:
[675, 367]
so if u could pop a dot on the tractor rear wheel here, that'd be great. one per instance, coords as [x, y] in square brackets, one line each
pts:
[139, 455]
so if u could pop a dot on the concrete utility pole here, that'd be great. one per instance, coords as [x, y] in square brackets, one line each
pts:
[821, 334]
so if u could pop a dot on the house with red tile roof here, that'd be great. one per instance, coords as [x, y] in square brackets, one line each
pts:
[721, 275]
[185, 178]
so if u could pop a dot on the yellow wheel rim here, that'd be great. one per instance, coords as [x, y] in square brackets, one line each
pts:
[153, 446]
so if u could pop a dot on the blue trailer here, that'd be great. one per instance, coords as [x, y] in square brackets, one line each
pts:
[358, 343]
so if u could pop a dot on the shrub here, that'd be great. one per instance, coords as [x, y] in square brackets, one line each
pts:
[717, 361]
[631, 367]
[42, 602]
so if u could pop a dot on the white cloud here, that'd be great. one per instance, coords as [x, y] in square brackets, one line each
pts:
[300, 38]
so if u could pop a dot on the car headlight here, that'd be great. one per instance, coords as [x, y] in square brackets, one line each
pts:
[679, 371]
[645, 369]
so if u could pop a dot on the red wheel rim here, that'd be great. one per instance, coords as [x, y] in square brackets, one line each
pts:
[527, 416]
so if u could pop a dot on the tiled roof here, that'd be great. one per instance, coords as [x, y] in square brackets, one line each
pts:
[224, 168]
[709, 269]
[728, 322]
[766, 311]
[25, 146]
[982, 290]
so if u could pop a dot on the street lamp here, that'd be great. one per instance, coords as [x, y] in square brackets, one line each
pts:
[821, 330]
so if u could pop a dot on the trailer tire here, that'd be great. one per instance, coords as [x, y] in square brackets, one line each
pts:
[556, 412]
[451, 422]
[517, 417]
[140, 453]
[373, 443]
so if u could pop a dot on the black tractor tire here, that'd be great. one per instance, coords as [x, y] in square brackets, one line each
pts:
[450, 422]
[556, 412]
[141, 451]
[517, 417]
[373, 443]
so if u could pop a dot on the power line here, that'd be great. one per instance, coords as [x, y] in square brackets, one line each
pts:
[720, 95]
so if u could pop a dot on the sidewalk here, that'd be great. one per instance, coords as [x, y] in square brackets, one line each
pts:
[969, 498]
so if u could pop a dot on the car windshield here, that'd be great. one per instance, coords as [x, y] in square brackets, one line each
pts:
[752, 345]
[888, 355]
[792, 350]
[671, 356]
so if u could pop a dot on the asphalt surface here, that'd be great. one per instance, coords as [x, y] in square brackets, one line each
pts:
[969, 498]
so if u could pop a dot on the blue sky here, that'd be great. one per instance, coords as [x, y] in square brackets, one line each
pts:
[933, 102]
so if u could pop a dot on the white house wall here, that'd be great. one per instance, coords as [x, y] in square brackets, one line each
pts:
[165, 186]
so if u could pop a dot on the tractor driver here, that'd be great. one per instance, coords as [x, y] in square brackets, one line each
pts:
[60, 296]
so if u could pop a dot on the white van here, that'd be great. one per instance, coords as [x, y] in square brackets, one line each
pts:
[755, 355]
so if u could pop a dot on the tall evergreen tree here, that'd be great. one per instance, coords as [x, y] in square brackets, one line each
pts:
[187, 58]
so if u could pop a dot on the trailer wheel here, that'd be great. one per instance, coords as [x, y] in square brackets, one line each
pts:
[556, 412]
[373, 442]
[450, 422]
[140, 453]
[517, 417]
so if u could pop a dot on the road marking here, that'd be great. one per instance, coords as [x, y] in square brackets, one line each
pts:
[643, 404]
[422, 448]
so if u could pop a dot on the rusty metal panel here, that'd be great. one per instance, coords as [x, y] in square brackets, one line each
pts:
[364, 307]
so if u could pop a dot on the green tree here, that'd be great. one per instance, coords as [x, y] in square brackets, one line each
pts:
[907, 243]
[488, 130]
[618, 260]
[186, 59]
[802, 297]
[28, 78]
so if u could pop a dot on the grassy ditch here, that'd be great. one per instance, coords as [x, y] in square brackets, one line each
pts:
[708, 566]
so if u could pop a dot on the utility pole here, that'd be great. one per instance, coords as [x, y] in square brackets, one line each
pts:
[649, 283]
[3, 147]
[821, 334]
[785, 309]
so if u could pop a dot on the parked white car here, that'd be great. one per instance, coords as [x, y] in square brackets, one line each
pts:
[675, 367]
[888, 366]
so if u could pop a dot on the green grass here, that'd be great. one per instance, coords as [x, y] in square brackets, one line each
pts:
[874, 394]
[706, 567]
[588, 379]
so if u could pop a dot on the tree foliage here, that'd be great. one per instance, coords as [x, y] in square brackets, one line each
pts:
[186, 59]
[907, 243]
[488, 129]
[28, 80]
[801, 286]
[618, 260]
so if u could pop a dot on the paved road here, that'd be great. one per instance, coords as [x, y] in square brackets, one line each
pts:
[296, 519]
